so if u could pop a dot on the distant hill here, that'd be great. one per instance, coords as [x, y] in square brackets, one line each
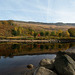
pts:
[6, 27]
[58, 23]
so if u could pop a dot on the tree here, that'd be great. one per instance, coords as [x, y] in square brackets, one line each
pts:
[14, 32]
[59, 33]
[72, 32]
[39, 35]
[65, 34]
[42, 33]
[16, 28]
[32, 32]
[52, 33]
[35, 34]
[18, 32]
[46, 33]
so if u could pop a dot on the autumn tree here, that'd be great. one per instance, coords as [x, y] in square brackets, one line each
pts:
[59, 33]
[65, 34]
[18, 31]
[72, 32]
[32, 33]
[35, 34]
[16, 28]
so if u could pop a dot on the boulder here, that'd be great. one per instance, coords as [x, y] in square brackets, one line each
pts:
[64, 64]
[47, 63]
[71, 52]
[44, 71]
[27, 72]
[30, 66]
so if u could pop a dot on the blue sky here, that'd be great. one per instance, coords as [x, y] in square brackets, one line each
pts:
[38, 10]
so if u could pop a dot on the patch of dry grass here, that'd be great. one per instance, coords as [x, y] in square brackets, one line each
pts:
[44, 26]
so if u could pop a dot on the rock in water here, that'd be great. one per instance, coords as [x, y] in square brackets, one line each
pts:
[30, 66]
[64, 64]
[47, 63]
[44, 71]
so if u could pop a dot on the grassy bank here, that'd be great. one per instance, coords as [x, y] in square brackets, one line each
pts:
[32, 38]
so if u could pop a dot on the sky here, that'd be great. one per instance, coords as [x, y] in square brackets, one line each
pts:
[48, 11]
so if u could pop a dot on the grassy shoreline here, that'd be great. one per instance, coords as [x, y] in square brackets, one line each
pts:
[38, 41]
[34, 38]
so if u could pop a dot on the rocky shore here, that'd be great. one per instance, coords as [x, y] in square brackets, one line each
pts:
[63, 64]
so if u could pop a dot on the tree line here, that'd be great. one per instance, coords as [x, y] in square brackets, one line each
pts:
[29, 32]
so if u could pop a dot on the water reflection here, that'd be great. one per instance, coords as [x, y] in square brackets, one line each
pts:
[18, 64]
[10, 50]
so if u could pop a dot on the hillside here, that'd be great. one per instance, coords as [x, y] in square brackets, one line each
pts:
[45, 26]
[15, 28]
[5, 28]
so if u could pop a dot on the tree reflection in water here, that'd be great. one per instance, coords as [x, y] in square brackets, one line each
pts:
[10, 50]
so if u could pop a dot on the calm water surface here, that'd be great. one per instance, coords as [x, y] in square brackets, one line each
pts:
[15, 57]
